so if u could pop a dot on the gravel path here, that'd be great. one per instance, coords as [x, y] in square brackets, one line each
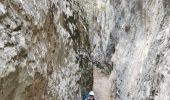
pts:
[101, 85]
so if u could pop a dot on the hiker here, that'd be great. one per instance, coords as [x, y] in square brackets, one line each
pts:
[90, 96]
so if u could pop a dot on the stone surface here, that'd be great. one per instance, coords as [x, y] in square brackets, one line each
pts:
[101, 85]
[137, 46]
[48, 48]
[40, 45]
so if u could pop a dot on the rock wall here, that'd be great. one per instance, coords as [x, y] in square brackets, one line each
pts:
[48, 48]
[43, 50]
[134, 39]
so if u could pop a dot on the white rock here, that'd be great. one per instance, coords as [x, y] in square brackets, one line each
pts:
[2, 9]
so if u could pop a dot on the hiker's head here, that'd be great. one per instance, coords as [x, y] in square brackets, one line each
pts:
[91, 95]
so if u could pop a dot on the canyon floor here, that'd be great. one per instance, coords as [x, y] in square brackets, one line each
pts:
[101, 85]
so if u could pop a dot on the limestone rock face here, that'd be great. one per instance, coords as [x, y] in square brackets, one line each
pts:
[40, 50]
[134, 40]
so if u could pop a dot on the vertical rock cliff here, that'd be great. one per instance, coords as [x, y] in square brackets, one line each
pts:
[134, 40]
[44, 50]
[48, 49]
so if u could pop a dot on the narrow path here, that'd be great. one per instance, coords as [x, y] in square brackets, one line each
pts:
[101, 85]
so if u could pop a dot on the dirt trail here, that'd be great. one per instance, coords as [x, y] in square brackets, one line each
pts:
[101, 85]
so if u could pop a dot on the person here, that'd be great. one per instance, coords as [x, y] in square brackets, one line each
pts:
[90, 96]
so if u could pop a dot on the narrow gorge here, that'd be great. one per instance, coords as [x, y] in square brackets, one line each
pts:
[62, 49]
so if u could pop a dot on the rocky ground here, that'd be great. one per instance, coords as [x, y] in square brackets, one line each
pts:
[101, 85]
